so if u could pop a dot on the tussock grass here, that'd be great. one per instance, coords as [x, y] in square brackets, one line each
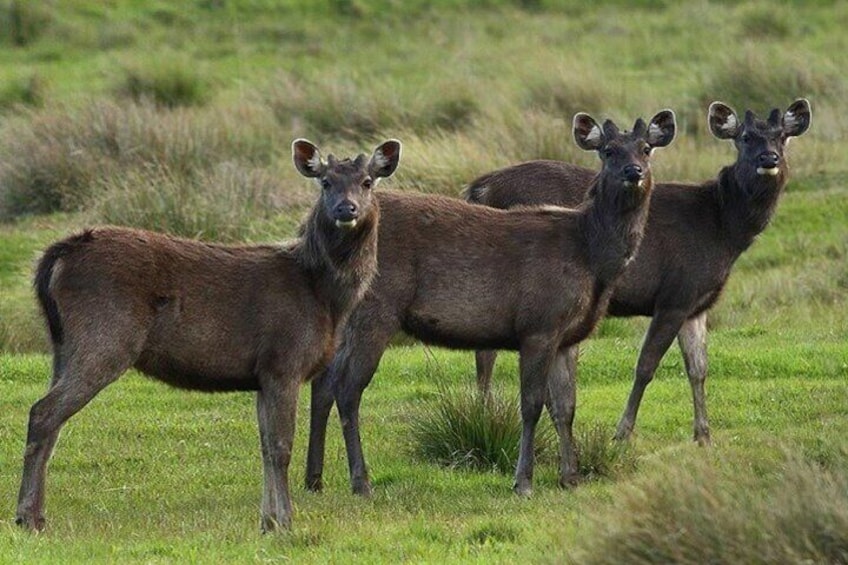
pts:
[63, 159]
[460, 429]
[758, 79]
[30, 91]
[358, 107]
[223, 204]
[168, 81]
[22, 22]
[704, 511]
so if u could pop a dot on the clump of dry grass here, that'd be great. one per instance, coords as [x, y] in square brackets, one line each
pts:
[701, 511]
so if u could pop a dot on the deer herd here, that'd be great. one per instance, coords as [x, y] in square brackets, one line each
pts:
[530, 260]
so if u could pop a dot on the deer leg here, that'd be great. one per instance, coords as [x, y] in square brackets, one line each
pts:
[664, 327]
[692, 339]
[276, 411]
[485, 363]
[561, 402]
[321, 404]
[535, 364]
[75, 382]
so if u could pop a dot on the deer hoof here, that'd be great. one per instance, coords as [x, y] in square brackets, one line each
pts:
[31, 523]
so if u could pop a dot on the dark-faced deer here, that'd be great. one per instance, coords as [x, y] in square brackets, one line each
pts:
[694, 235]
[208, 317]
[537, 284]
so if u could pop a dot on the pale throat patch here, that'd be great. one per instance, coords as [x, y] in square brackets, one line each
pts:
[349, 224]
[770, 172]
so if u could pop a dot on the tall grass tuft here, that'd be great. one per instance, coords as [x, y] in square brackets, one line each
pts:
[30, 91]
[171, 82]
[220, 205]
[61, 159]
[359, 108]
[757, 79]
[460, 429]
[22, 22]
[599, 456]
[700, 511]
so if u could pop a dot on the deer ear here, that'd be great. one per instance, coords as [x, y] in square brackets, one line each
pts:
[385, 159]
[724, 123]
[797, 118]
[307, 158]
[661, 130]
[587, 133]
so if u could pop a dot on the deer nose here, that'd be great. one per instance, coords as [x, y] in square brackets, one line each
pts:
[769, 160]
[632, 173]
[346, 210]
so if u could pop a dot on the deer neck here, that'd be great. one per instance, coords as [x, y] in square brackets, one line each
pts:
[747, 207]
[342, 263]
[613, 224]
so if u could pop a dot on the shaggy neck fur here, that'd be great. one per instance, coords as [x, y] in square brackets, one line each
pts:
[747, 204]
[342, 261]
[613, 223]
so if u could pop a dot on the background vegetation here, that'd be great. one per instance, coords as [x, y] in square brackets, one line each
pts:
[179, 117]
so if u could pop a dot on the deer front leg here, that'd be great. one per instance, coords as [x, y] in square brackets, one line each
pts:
[535, 362]
[276, 411]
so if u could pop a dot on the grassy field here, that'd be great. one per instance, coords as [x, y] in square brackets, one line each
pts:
[179, 118]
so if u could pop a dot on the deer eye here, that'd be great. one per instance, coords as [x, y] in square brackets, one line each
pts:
[325, 184]
[647, 150]
[607, 152]
[745, 138]
[367, 183]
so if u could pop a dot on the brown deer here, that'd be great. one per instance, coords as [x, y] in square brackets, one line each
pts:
[208, 317]
[694, 235]
[537, 284]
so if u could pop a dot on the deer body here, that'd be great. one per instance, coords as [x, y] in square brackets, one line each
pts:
[537, 284]
[693, 236]
[207, 317]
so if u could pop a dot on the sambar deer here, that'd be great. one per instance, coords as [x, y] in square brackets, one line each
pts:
[467, 276]
[695, 233]
[208, 317]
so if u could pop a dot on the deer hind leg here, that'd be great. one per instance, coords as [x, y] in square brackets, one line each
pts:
[77, 379]
[485, 363]
[692, 339]
[664, 327]
[321, 403]
[561, 402]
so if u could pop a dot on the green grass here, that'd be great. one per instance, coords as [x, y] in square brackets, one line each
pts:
[148, 473]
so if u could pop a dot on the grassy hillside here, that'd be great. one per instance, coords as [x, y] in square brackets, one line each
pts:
[179, 117]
